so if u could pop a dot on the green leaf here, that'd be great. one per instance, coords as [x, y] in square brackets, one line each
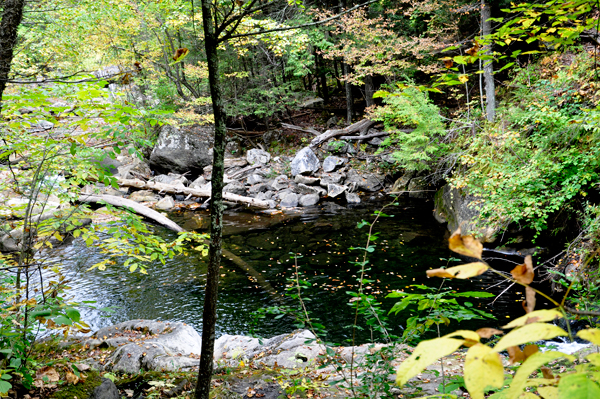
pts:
[63, 321]
[577, 386]
[73, 314]
[5, 386]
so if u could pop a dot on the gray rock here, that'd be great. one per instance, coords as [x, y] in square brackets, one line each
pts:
[389, 158]
[271, 137]
[165, 204]
[106, 164]
[332, 162]
[311, 102]
[417, 188]
[352, 198]
[289, 200]
[260, 188]
[132, 167]
[181, 151]
[256, 156]
[234, 347]
[106, 390]
[333, 190]
[456, 208]
[27, 110]
[331, 178]
[235, 187]
[305, 162]
[143, 196]
[331, 122]
[308, 180]
[172, 179]
[254, 178]
[304, 189]
[376, 141]
[9, 243]
[280, 183]
[309, 200]
[401, 184]
[41, 125]
[199, 182]
[267, 195]
[369, 182]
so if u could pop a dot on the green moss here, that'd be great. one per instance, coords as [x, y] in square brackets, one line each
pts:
[80, 391]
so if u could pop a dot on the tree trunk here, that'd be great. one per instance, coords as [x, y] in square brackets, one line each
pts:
[349, 96]
[209, 315]
[12, 15]
[488, 67]
[322, 76]
[369, 90]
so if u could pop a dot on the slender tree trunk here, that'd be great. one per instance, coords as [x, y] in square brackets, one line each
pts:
[369, 90]
[349, 96]
[488, 67]
[12, 15]
[322, 76]
[209, 315]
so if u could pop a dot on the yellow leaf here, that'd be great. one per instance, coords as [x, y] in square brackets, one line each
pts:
[466, 334]
[463, 271]
[591, 334]
[425, 354]
[529, 333]
[465, 245]
[594, 358]
[483, 368]
[463, 78]
[71, 377]
[530, 365]
[536, 316]
[548, 392]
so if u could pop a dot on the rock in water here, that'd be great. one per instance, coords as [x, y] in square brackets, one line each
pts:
[305, 162]
[182, 151]
[352, 198]
[333, 190]
[165, 204]
[332, 162]
[309, 200]
[289, 200]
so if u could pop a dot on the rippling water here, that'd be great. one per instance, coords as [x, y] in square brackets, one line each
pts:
[408, 243]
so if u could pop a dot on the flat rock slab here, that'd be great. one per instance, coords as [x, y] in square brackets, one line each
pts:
[149, 345]
[332, 162]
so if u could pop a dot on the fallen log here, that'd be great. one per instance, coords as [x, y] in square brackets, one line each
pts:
[300, 128]
[361, 127]
[135, 207]
[366, 137]
[165, 188]
[168, 223]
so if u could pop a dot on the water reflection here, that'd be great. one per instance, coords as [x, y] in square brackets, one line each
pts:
[407, 245]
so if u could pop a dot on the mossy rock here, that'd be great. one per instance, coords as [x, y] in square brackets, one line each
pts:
[82, 390]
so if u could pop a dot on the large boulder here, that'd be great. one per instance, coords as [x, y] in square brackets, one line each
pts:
[457, 208]
[305, 162]
[369, 182]
[332, 162]
[181, 151]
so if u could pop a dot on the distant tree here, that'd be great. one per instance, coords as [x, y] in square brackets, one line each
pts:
[12, 15]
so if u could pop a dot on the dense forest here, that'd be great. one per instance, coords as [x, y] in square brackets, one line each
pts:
[492, 102]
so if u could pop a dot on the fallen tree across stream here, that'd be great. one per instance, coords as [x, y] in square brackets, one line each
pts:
[166, 188]
[362, 127]
[171, 225]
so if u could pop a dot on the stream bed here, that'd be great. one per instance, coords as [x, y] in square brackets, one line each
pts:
[409, 242]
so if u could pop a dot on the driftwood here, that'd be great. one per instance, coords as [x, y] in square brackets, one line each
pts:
[168, 223]
[361, 127]
[137, 208]
[368, 136]
[300, 128]
[244, 171]
[165, 188]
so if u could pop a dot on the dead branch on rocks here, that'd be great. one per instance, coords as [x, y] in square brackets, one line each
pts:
[361, 127]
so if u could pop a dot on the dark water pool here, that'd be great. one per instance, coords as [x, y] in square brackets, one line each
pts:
[408, 243]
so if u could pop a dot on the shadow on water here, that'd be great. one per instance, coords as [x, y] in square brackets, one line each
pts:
[409, 243]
